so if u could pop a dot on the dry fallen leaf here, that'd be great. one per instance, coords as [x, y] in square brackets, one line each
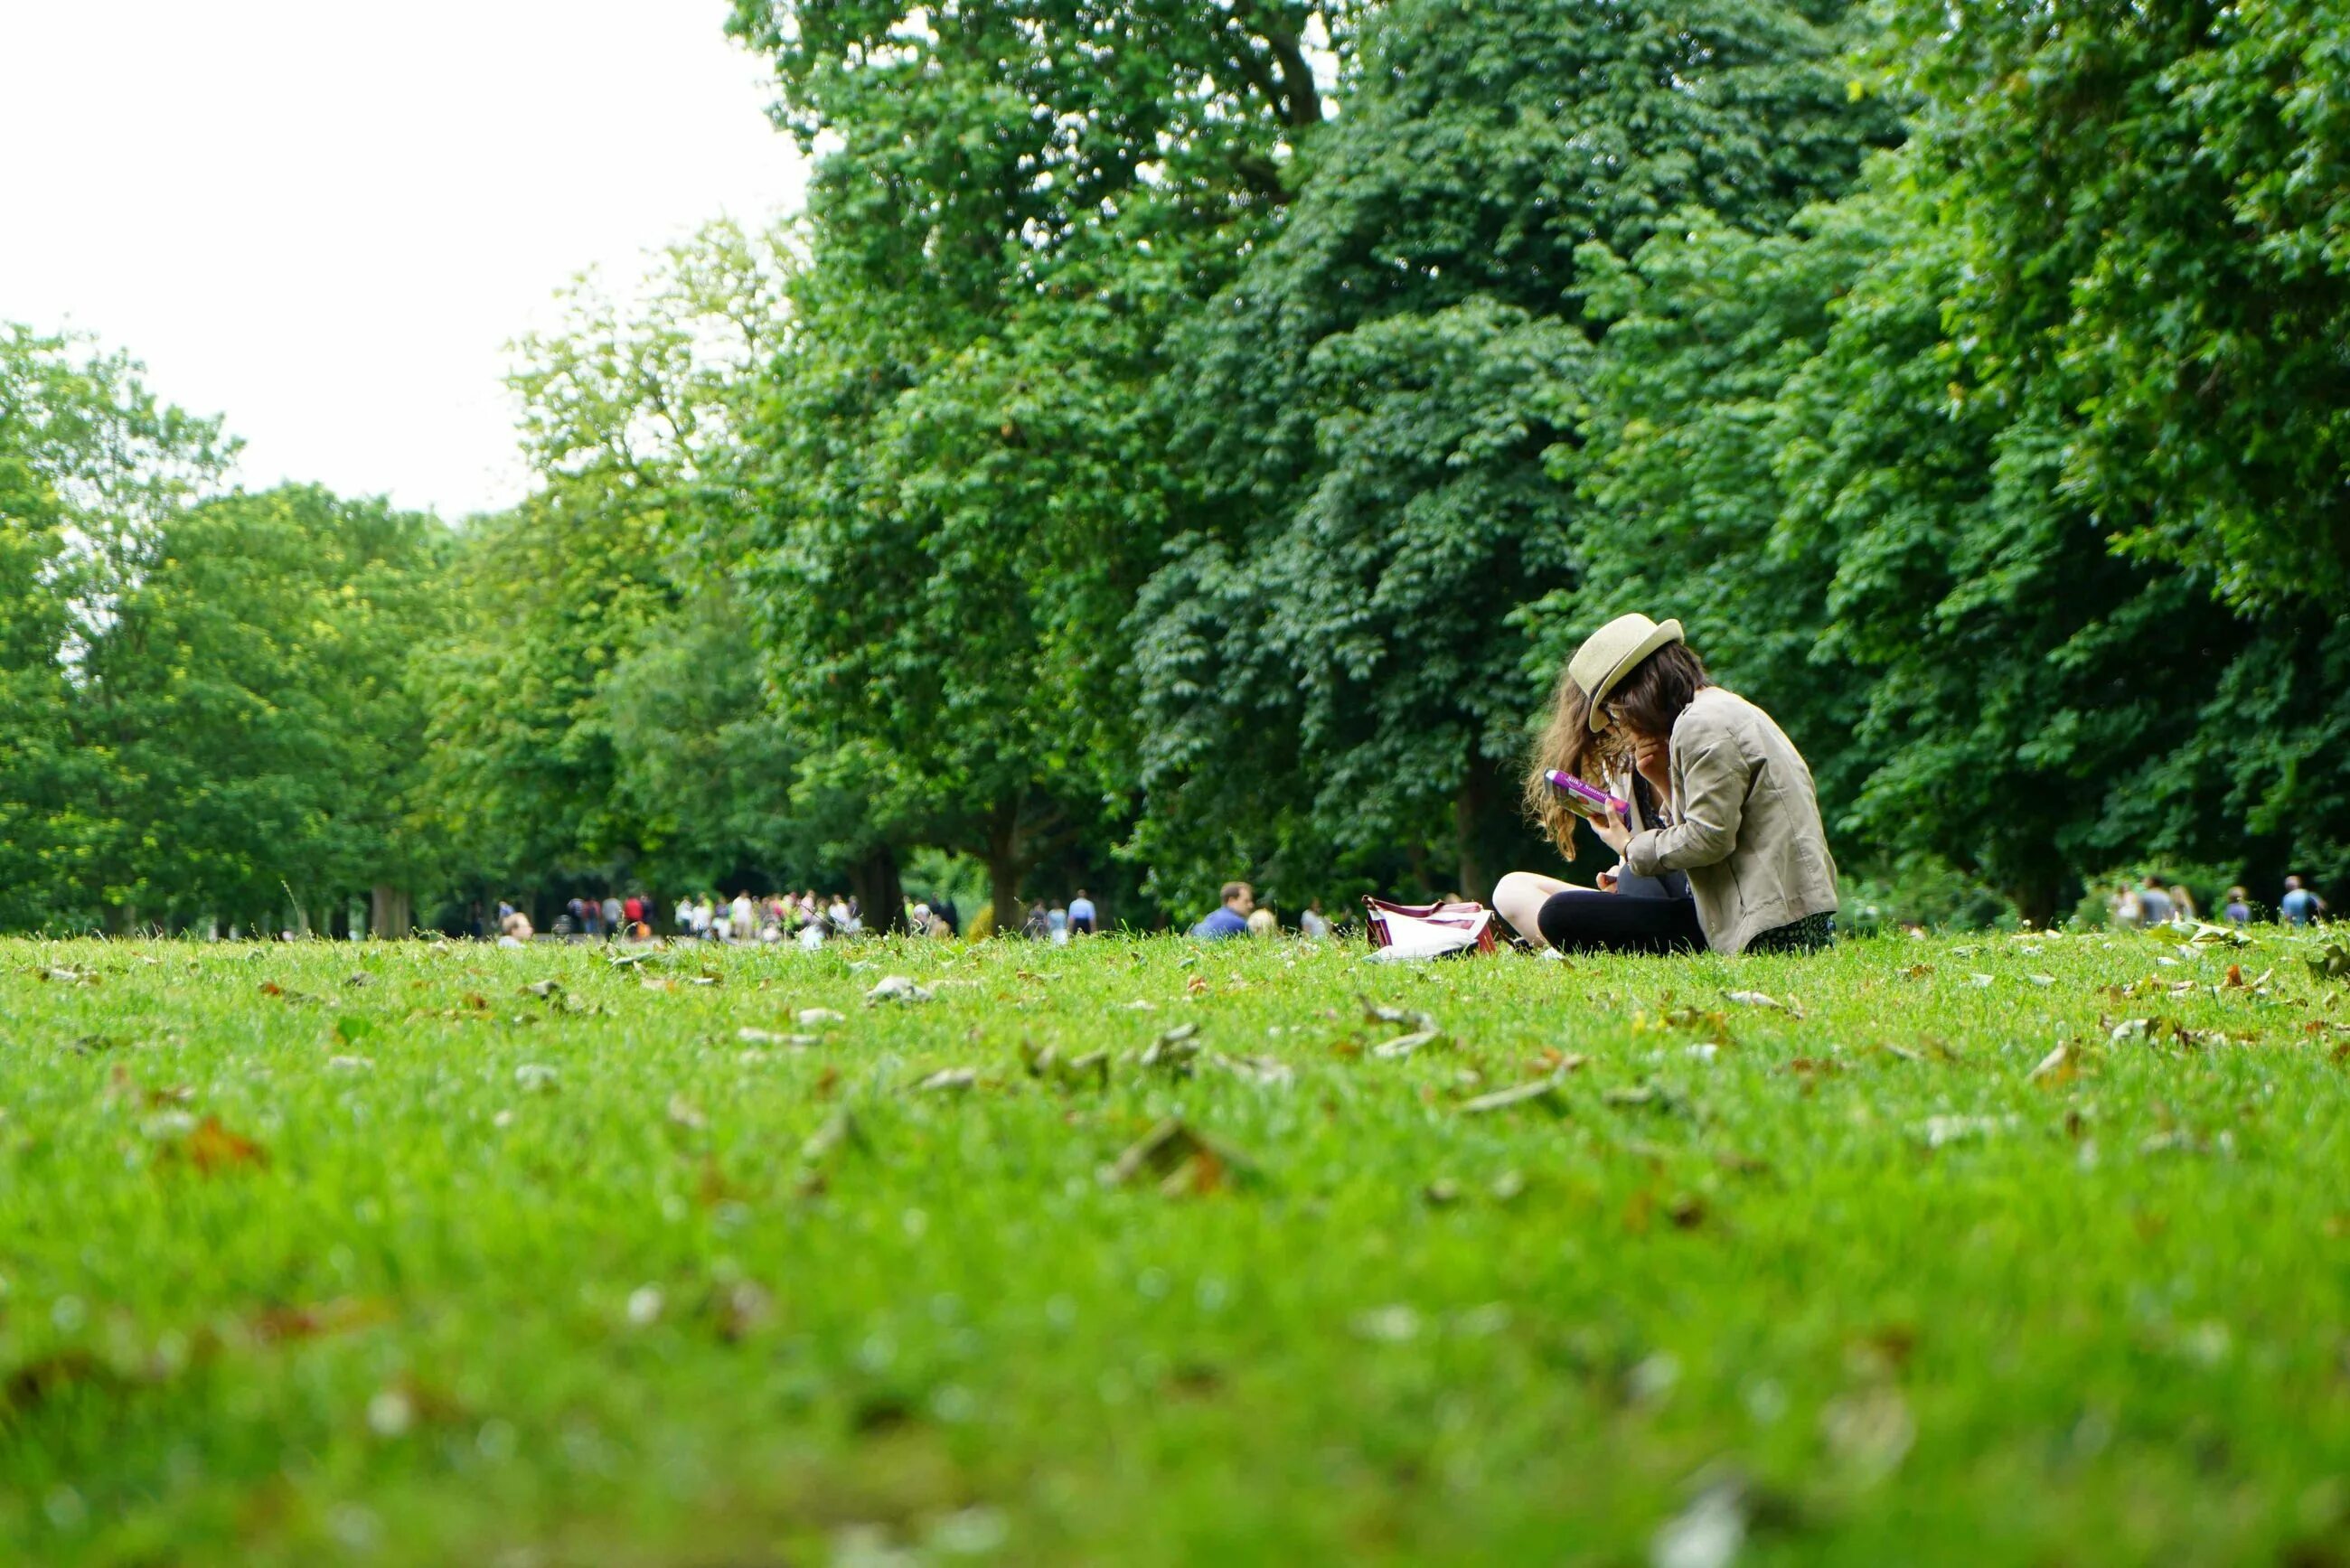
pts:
[1178, 1160]
[947, 1080]
[1761, 998]
[1547, 1094]
[211, 1147]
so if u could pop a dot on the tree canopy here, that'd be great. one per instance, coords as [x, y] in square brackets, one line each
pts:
[1180, 442]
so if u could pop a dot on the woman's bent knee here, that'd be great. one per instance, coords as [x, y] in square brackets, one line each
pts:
[1519, 897]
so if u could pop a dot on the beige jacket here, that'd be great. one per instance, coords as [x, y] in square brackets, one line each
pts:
[1748, 832]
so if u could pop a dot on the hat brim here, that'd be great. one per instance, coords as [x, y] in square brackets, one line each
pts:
[1665, 632]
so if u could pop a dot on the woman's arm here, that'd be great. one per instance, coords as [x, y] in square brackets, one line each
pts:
[1714, 775]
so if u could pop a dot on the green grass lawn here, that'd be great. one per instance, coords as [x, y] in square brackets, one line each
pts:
[410, 1254]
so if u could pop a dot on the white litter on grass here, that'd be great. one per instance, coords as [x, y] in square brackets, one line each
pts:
[535, 1076]
[644, 1305]
[897, 988]
[814, 1017]
[348, 1064]
[1708, 1534]
[769, 1037]
[1937, 1131]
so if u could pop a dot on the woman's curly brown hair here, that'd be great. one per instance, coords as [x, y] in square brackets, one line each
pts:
[1646, 701]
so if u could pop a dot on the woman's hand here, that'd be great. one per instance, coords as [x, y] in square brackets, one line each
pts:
[1611, 830]
[1653, 755]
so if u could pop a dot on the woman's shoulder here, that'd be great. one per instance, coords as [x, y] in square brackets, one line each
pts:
[1716, 709]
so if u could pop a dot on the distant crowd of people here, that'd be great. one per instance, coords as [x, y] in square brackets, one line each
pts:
[2150, 903]
[809, 918]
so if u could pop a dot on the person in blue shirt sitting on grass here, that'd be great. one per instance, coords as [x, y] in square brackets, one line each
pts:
[1231, 919]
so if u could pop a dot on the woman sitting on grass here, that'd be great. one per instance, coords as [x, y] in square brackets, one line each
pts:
[1723, 844]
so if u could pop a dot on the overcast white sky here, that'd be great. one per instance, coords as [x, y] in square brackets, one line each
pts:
[323, 219]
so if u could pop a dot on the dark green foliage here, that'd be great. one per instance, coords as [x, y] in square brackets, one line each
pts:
[2155, 201]
[1370, 404]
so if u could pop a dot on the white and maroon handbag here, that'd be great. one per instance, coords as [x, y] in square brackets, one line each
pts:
[1400, 931]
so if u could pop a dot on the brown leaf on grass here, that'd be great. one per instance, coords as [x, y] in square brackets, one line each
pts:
[2055, 1069]
[1197, 985]
[712, 1187]
[1713, 1025]
[277, 1324]
[1918, 971]
[1812, 1067]
[32, 1383]
[212, 1148]
[1177, 1159]
[1174, 1051]
[271, 988]
[2235, 980]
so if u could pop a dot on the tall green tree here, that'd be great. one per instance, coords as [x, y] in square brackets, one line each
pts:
[2155, 201]
[1016, 203]
[595, 654]
[1370, 408]
[92, 468]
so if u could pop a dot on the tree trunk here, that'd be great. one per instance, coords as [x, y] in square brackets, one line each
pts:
[391, 915]
[1468, 828]
[881, 893]
[1003, 869]
[2036, 902]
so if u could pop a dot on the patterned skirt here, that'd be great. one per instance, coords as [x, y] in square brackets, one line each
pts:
[1808, 935]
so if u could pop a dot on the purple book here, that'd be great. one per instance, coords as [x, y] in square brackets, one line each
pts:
[1589, 801]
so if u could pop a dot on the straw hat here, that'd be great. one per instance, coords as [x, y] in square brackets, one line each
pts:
[1610, 653]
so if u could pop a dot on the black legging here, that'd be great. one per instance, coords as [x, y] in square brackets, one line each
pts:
[1585, 919]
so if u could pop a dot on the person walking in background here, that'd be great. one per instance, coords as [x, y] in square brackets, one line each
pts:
[613, 913]
[1263, 922]
[1313, 925]
[1081, 914]
[632, 909]
[2182, 902]
[1038, 925]
[1230, 919]
[684, 919]
[1056, 924]
[2155, 908]
[2127, 913]
[2299, 906]
[2239, 910]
